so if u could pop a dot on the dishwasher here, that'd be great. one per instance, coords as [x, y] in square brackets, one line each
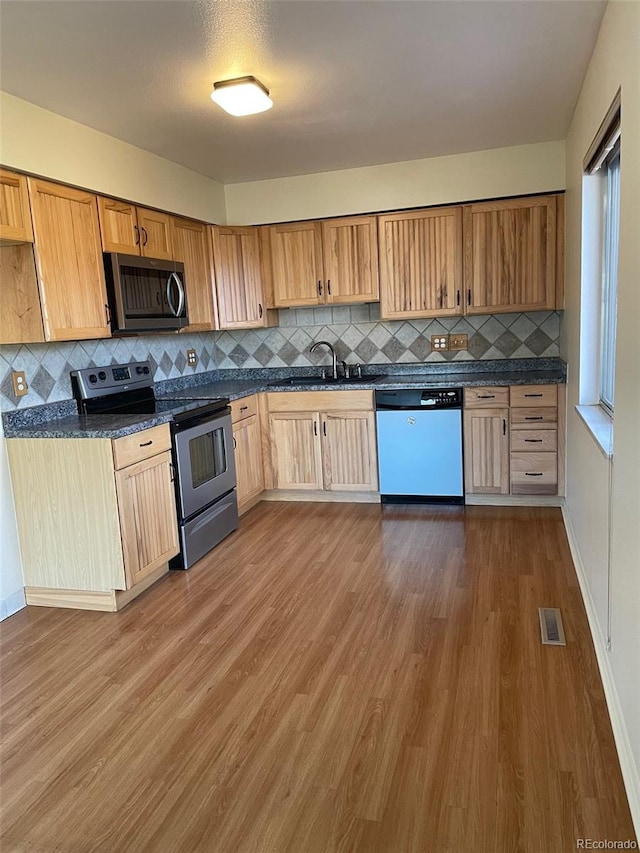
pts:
[420, 445]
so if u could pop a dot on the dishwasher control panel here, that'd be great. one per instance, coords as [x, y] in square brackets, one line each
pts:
[420, 398]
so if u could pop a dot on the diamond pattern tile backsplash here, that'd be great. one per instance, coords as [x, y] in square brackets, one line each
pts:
[356, 331]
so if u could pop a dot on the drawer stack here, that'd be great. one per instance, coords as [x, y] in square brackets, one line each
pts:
[534, 439]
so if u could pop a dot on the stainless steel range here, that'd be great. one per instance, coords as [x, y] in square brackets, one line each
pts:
[202, 447]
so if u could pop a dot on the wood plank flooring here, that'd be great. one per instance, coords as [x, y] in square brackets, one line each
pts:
[333, 677]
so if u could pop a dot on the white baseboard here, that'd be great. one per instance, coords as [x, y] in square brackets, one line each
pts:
[11, 604]
[630, 773]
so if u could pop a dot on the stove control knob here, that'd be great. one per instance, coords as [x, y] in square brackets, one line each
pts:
[102, 376]
[146, 368]
[139, 369]
[93, 378]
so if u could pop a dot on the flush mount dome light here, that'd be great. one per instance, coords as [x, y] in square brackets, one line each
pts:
[242, 96]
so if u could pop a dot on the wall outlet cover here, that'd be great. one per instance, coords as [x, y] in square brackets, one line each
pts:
[458, 342]
[439, 343]
[192, 358]
[20, 386]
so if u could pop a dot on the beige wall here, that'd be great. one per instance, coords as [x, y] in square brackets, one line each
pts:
[615, 63]
[417, 183]
[35, 140]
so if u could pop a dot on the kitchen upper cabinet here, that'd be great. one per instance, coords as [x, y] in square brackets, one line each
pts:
[238, 275]
[349, 451]
[247, 445]
[296, 454]
[486, 451]
[421, 263]
[190, 244]
[510, 255]
[296, 258]
[15, 216]
[350, 254]
[134, 230]
[21, 315]
[147, 511]
[69, 262]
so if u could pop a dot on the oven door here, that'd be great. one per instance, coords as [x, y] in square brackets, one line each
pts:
[205, 463]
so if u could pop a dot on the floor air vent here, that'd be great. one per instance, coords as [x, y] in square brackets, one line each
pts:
[551, 627]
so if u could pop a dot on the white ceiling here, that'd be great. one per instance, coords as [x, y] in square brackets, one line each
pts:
[354, 82]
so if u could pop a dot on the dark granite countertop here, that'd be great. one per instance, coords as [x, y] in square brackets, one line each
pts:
[59, 422]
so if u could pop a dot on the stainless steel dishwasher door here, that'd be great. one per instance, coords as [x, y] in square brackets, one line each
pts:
[420, 452]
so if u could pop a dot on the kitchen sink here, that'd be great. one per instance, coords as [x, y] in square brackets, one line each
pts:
[328, 380]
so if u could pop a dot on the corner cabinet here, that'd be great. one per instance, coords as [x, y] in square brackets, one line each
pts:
[421, 263]
[238, 275]
[510, 255]
[69, 262]
[96, 518]
[323, 441]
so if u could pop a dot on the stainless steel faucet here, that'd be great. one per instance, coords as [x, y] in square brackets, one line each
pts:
[333, 355]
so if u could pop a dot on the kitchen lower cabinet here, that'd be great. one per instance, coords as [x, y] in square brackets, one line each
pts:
[331, 448]
[534, 439]
[247, 448]
[486, 451]
[69, 262]
[97, 518]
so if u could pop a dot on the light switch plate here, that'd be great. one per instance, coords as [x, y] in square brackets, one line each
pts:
[192, 358]
[458, 341]
[20, 386]
[439, 343]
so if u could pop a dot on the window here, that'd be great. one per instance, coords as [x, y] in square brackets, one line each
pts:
[600, 227]
[609, 278]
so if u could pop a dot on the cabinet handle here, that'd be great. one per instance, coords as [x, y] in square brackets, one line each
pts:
[329, 286]
[457, 297]
[260, 310]
[533, 395]
[145, 236]
[107, 311]
[536, 418]
[324, 428]
[486, 396]
[533, 440]
[315, 428]
[243, 408]
[235, 443]
[469, 296]
[529, 474]
[172, 472]
[504, 426]
[441, 297]
[137, 230]
[146, 443]
[319, 288]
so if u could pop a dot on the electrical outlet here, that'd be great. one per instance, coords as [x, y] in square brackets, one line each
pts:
[458, 341]
[192, 358]
[20, 387]
[439, 343]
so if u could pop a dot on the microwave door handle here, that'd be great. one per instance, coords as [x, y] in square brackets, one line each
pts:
[180, 286]
[169, 299]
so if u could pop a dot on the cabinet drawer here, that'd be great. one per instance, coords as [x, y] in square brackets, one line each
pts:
[532, 417]
[534, 473]
[320, 401]
[485, 397]
[534, 395]
[140, 445]
[531, 440]
[243, 408]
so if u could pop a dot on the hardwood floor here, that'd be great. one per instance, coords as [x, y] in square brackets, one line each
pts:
[333, 677]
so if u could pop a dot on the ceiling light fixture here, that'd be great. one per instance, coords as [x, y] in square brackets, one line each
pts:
[242, 96]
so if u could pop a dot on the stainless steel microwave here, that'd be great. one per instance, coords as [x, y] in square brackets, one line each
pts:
[145, 294]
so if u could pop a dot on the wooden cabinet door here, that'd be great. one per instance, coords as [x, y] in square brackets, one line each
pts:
[486, 451]
[238, 274]
[350, 252]
[296, 259]
[510, 255]
[155, 234]
[349, 451]
[69, 262]
[118, 226]
[148, 520]
[190, 243]
[248, 454]
[21, 315]
[15, 215]
[421, 263]
[295, 450]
